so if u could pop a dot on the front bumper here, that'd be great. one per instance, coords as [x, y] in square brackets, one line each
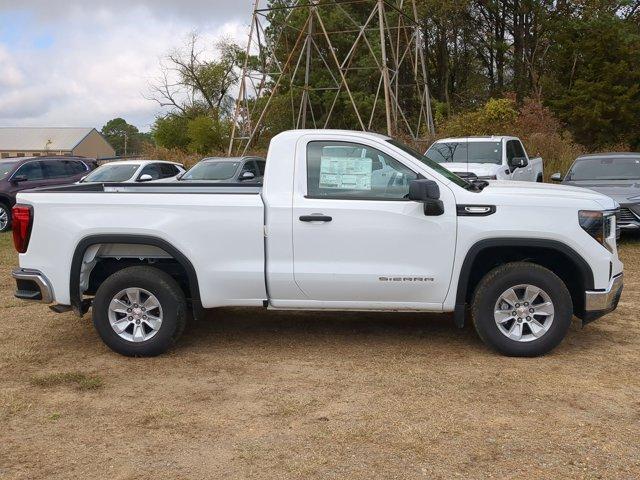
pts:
[600, 302]
[32, 285]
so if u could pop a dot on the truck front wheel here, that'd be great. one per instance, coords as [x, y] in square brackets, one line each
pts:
[139, 311]
[522, 309]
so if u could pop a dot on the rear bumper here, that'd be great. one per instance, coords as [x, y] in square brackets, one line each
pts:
[600, 302]
[31, 284]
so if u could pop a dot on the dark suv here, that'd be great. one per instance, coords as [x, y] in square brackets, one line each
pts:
[17, 174]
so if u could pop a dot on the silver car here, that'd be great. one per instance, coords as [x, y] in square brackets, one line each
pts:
[616, 175]
[227, 170]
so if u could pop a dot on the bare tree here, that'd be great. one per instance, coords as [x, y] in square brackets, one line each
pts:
[191, 84]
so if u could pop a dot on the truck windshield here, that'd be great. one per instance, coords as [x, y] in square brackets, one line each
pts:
[431, 164]
[606, 168]
[111, 173]
[211, 171]
[466, 152]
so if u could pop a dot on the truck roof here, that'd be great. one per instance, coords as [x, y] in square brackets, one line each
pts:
[301, 132]
[485, 138]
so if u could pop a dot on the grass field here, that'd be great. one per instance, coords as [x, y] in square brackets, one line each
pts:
[254, 394]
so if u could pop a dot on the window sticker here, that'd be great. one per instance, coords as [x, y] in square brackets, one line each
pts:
[345, 173]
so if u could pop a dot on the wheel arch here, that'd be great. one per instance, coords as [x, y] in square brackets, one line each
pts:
[83, 245]
[486, 254]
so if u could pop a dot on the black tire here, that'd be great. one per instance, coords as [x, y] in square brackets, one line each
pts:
[7, 209]
[170, 297]
[499, 280]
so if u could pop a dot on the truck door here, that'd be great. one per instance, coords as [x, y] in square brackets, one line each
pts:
[357, 239]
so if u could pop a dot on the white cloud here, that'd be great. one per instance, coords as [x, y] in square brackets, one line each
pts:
[99, 57]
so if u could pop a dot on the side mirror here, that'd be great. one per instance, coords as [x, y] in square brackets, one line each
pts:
[427, 192]
[519, 162]
[556, 177]
[247, 176]
[145, 178]
[19, 178]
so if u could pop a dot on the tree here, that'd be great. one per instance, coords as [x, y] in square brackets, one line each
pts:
[170, 131]
[123, 137]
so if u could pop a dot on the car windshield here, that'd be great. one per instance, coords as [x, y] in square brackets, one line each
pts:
[211, 171]
[6, 167]
[111, 173]
[431, 164]
[466, 152]
[605, 168]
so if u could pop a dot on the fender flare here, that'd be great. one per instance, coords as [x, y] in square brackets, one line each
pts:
[477, 248]
[86, 242]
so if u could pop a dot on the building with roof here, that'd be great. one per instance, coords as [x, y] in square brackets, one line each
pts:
[40, 141]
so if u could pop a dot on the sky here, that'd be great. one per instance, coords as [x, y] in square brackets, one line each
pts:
[84, 62]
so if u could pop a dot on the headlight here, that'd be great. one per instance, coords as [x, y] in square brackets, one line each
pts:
[601, 225]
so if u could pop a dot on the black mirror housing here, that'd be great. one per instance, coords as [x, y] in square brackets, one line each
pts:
[19, 178]
[519, 162]
[422, 190]
[428, 193]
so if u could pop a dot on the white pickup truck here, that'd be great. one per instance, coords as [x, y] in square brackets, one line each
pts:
[487, 158]
[345, 221]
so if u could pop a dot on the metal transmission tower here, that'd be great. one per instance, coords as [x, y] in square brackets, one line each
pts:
[289, 43]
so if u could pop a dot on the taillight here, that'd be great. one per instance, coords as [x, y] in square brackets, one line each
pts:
[21, 222]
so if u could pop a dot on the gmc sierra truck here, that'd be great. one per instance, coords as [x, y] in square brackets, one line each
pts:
[344, 221]
[487, 158]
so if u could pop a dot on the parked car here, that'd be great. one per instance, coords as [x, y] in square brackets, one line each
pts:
[227, 170]
[23, 173]
[616, 175]
[131, 171]
[524, 257]
[488, 158]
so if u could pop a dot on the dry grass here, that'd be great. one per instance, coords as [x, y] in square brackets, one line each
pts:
[79, 380]
[272, 395]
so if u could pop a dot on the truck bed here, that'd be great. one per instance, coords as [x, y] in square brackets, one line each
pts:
[218, 227]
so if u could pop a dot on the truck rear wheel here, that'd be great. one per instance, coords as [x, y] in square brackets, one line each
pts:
[139, 311]
[522, 309]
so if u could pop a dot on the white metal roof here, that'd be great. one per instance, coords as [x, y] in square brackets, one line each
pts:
[41, 138]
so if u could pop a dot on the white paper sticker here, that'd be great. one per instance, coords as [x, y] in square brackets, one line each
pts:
[346, 173]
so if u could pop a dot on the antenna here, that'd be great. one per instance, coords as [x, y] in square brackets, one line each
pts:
[289, 42]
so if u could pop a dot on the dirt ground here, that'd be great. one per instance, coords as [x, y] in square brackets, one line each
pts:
[255, 394]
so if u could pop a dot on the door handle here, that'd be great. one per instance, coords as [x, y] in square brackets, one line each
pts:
[316, 217]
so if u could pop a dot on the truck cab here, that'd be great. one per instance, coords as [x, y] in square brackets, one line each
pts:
[487, 158]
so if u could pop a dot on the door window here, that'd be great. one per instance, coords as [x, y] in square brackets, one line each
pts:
[261, 167]
[250, 166]
[151, 169]
[511, 151]
[32, 171]
[350, 170]
[55, 169]
[167, 170]
[74, 167]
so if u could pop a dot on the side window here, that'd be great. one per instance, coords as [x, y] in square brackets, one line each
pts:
[511, 151]
[167, 170]
[518, 148]
[261, 166]
[75, 168]
[151, 169]
[32, 171]
[250, 166]
[55, 169]
[343, 170]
